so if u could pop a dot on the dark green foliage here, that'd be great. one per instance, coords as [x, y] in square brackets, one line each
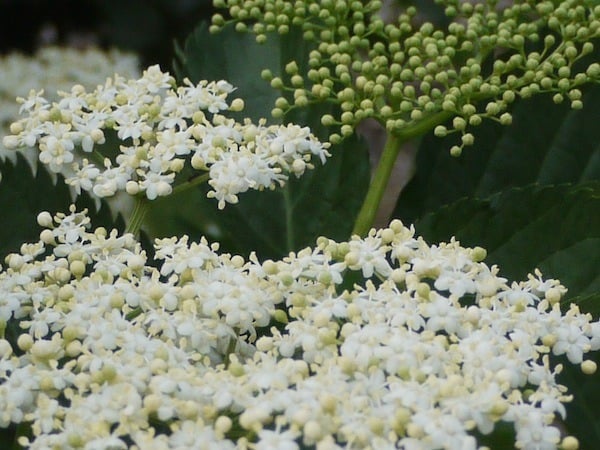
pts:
[24, 195]
[555, 228]
[546, 144]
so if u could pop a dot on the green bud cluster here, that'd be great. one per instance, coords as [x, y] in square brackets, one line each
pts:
[405, 75]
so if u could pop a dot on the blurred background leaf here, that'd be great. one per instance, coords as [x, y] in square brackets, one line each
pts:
[146, 27]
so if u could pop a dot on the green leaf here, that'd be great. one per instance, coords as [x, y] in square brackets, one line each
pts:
[238, 59]
[554, 228]
[590, 303]
[583, 414]
[24, 195]
[323, 201]
[546, 144]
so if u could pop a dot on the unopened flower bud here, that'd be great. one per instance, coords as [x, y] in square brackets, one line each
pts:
[237, 105]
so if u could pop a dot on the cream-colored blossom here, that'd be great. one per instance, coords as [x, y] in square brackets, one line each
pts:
[118, 350]
[158, 126]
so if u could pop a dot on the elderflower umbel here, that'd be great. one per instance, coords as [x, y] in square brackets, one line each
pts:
[54, 69]
[200, 349]
[161, 128]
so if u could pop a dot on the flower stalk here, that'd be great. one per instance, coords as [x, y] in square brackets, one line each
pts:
[381, 176]
[140, 209]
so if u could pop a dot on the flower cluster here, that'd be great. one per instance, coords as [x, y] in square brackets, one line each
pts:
[162, 129]
[105, 349]
[54, 69]
[402, 72]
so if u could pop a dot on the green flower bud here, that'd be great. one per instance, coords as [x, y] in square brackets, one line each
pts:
[574, 94]
[218, 19]
[327, 120]
[378, 90]
[420, 72]
[525, 92]
[564, 84]
[576, 104]
[467, 139]
[407, 75]
[297, 81]
[291, 68]
[492, 108]
[359, 29]
[448, 106]
[440, 131]
[558, 98]
[335, 138]
[282, 103]
[241, 27]
[459, 123]
[593, 71]
[301, 101]
[587, 48]
[506, 119]
[414, 61]
[416, 114]
[455, 151]
[564, 72]
[423, 100]
[266, 74]
[475, 120]
[508, 97]
[309, 35]
[450, 11]
[406, 106]
[277, 83]
[469, 110]
[441, 77]
[347, 130]
[518, 40]
[549, 41]
[386, 111]
[546, 83]
[347, 106]
[347, 117]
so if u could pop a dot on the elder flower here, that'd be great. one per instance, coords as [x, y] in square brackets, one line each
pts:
[210, 350]
[162, 128]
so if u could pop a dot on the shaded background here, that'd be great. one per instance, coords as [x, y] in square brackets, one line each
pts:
[147, 27]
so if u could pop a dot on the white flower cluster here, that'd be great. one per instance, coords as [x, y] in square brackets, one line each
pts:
[54, 69]
[109, 350]
[161, 129]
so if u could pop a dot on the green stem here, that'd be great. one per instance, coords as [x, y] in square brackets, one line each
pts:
[366, 216]
[142, 204]
[289, 222]
[133, 313]
[379, 181]
[195, 181]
